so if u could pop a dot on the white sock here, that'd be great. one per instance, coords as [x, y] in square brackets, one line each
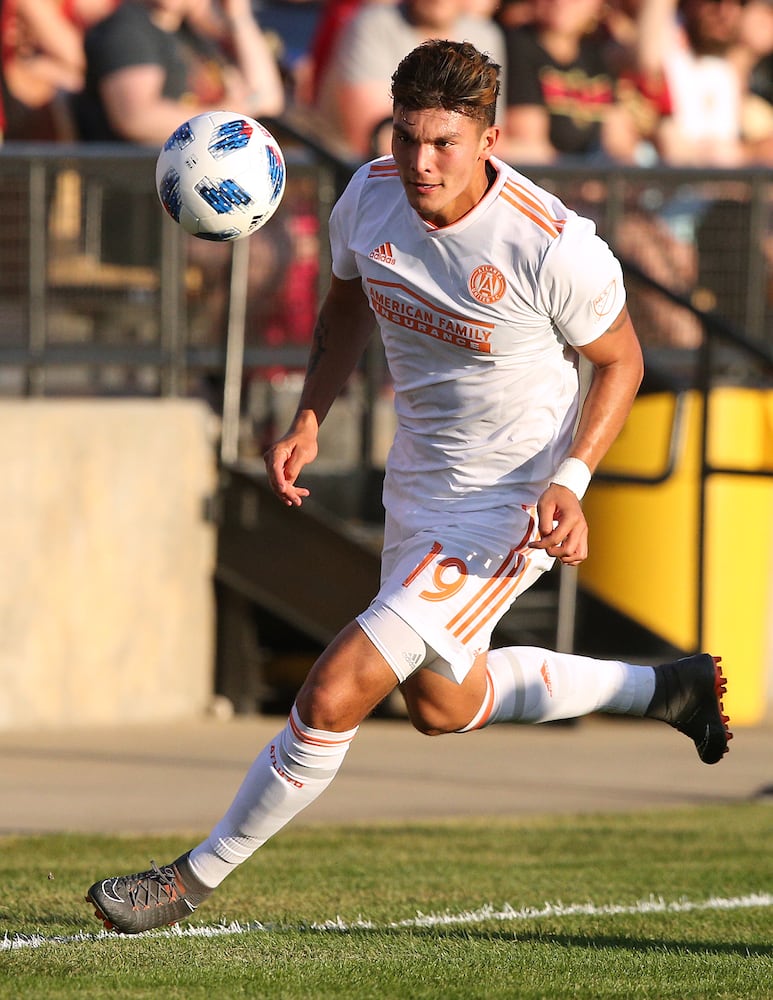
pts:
[288, 775]
[527, 684]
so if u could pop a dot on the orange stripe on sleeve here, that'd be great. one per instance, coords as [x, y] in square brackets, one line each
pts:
[538, 220]
[530, 206]
[388, 169]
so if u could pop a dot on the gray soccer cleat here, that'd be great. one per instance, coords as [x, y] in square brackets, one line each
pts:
[688, 696]
[131, 904]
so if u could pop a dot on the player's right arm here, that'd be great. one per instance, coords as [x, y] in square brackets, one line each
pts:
[341, 334]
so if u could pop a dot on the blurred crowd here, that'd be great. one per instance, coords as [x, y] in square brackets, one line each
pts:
[639, 82]
[684, 82]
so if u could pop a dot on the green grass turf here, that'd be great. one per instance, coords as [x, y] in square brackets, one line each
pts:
[372, 878]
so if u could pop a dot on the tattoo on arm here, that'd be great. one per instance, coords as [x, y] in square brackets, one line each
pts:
[317, 346]
[618, 322]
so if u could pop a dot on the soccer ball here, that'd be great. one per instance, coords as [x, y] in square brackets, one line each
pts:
[221, 176]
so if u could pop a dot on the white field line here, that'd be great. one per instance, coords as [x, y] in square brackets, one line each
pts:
[485, 913]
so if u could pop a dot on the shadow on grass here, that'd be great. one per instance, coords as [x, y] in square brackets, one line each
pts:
[593, 941]
[69, 924]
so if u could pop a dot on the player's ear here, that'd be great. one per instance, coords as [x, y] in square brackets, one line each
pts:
[488, 141]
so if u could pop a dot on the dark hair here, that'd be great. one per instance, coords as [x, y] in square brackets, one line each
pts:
[449, 75]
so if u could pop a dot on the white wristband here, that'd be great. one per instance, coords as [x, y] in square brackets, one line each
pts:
[574, 474]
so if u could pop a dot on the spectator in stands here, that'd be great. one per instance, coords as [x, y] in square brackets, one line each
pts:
[705, 125]
[514, 13]
[354, 93]
[84, 13]
[642, 90]
[151, 65]
[698, 238]
[752, 57]
[561, 94]
[147, 71]
[706, 60]
[757, 33]
[335, 16]
[43, 61]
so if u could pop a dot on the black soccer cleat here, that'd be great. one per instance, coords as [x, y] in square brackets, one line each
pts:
[688, 696]
[131, 904]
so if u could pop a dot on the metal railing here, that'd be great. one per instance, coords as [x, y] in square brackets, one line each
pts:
[751, 364]
[95, 279]
[101, 294]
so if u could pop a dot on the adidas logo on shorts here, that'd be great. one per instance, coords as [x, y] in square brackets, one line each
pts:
[413, 659]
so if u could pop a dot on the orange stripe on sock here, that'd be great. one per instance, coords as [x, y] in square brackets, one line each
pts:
[305, 737]
[488, 704]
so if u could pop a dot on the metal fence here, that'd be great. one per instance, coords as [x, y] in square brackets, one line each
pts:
[706, 235]
[100, 293]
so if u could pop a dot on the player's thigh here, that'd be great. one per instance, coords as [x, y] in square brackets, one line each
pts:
[437, 703]
[346, 683]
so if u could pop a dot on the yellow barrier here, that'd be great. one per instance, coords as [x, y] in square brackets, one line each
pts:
[644, 539]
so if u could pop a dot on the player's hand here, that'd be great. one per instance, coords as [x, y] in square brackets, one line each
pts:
[562, 526]
[284, 462]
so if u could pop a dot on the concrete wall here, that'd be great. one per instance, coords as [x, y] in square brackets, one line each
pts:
[106, 601]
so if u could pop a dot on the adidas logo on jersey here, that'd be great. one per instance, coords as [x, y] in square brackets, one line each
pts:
[383, 253]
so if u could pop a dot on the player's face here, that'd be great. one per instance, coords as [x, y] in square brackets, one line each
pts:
[441, 156]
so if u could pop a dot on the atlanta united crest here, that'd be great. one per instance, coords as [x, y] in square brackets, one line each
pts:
[487, 284]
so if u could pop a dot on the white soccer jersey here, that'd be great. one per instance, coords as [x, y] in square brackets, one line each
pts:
[475, 319]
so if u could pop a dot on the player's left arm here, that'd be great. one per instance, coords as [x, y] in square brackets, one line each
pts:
[343, 329]
[617, 373]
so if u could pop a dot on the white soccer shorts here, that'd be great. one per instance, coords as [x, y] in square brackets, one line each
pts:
[452, 583]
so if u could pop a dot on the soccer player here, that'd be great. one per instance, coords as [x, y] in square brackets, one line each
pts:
[485, 288]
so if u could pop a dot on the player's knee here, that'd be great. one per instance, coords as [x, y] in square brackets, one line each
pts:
[327, 706]
[429, 729]
[431, 720]
[319, 709]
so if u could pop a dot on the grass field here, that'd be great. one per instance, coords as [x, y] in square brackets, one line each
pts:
[671, 904]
